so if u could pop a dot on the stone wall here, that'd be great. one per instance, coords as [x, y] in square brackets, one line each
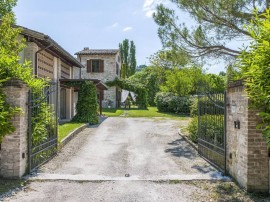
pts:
[247, 151]
[14, 151]
[109, 73]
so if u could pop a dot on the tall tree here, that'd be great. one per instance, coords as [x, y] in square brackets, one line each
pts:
[151, 78]
[124, 50]
[128, 58]
[6, 7]
[170, 59]
[218, 23]
[132, 59]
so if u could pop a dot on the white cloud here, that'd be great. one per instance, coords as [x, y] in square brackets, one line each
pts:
[148, 3]
[115, 24]
[149, 6]
[126, 29]
[149, 13]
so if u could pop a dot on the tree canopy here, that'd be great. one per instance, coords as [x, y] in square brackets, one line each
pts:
[151, 78]
[254, 67]
[128, 58]
[170, 59]
[11, 44]
[218, 22]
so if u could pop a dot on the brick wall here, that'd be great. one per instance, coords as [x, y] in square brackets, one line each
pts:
[247, 151]
[13, 153]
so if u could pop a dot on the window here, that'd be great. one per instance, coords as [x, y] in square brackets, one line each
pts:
[95, 66]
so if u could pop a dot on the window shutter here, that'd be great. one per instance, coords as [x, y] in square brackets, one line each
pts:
[101, 65]
[89, 66]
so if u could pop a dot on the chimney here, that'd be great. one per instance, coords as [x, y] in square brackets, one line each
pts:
[86, 48]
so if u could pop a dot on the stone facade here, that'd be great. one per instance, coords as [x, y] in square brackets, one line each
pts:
[111, 61]
[14, 150]
[247, 151]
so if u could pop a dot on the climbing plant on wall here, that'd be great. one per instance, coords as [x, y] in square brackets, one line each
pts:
[138, 89]
[10, 67]
[87, 104]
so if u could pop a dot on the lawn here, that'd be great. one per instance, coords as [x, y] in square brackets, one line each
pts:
[150, 112]
[110, 112]
[66, 128]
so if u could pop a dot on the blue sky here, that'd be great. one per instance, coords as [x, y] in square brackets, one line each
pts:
[98, 24]
[94, 23]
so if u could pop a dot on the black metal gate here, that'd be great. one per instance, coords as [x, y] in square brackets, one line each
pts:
[212, 127]
[42, 125]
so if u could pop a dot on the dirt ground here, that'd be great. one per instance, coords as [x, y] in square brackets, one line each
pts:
[130, 159]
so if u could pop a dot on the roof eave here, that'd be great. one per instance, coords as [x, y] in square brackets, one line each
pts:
[47, 39]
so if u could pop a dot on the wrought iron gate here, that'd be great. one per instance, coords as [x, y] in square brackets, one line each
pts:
[42, 125]
[212, 127]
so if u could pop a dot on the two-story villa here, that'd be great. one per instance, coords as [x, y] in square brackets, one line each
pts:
[49, 60]
[104, 65]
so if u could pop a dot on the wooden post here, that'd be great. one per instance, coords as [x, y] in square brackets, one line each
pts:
[100, 102]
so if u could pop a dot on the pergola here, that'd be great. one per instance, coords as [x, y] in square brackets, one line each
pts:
[72, 83]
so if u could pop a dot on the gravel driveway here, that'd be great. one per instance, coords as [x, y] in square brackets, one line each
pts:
[123, 159]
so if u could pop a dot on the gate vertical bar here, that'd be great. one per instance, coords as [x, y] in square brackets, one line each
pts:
[56, 111]
[199, 125]
[225, 132]
[29, 130]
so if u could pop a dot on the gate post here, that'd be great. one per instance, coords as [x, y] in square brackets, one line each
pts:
[247, 151]
[13, 151]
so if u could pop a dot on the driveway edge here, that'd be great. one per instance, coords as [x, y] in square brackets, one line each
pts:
[72, 134]
[195, 146]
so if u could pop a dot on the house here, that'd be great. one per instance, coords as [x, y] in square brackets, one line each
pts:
[104, 65]
[50, 60]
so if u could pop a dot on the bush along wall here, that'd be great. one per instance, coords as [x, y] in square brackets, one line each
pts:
[87, 104]
[138, 89]
[168, 102]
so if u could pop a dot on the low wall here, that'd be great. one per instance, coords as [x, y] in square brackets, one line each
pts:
[247, 151]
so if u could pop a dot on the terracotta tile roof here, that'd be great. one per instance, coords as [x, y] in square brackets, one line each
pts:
[87, 51]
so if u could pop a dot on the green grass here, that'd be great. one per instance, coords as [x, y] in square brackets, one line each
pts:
[150, 112]
[112, 112]
[66, 128]
[6, 185]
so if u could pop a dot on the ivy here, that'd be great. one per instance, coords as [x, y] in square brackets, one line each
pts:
[87, 104]
[138, 89]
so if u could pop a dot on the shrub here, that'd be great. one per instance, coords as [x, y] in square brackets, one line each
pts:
[209, 126]
[167, 102]
[87, 104]
[194, 106]
[193, 129]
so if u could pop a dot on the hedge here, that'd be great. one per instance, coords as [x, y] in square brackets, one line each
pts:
[167, 102]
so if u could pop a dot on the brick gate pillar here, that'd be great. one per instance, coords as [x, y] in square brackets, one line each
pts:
[13, 153]
[247, 151]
